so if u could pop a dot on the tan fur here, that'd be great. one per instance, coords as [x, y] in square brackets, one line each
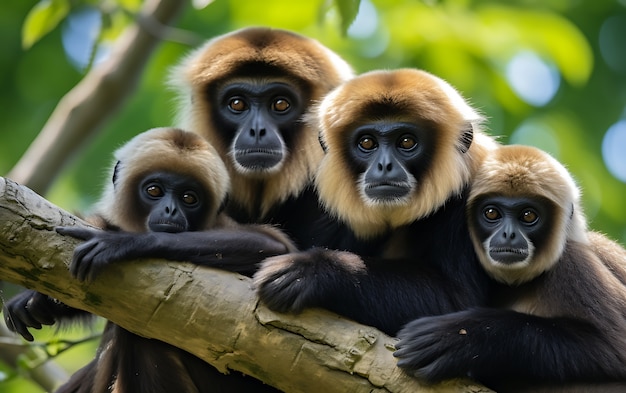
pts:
[611, 253]
[161, 149]
[412, 96]
[277, 264]
[517, 170]
[301, 61]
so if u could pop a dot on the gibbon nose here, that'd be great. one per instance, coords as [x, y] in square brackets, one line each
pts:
[257, 133]
[385, 167]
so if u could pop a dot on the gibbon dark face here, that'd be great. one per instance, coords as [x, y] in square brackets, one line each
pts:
[259, 120]
[389, 158]
[171, 202]
[512, 228]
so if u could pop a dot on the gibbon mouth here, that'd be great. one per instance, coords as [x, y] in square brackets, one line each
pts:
[258, 158]
[508, 255]
[166, 226]
[386, 190]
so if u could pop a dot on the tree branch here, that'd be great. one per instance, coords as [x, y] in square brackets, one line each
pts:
[213, 314]
[97, 96]
[47, 374]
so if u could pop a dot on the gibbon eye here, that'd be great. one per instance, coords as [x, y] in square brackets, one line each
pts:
[154, 191]
[280, 105]
[190, 198]
[237, 104]
[492, 214]
[529, 216]
[367, 143]
[407, 142]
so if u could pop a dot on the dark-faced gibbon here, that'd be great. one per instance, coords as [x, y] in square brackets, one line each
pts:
[401, 149]
[165, 181]
[246, 93]
[558, 315]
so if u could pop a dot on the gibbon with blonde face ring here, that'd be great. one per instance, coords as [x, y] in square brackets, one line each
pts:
[247, 93]
[165, 181]
[401, 149]
[558, 317]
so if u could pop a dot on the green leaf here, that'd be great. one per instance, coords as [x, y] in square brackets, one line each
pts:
[42, 19]
[348, 9]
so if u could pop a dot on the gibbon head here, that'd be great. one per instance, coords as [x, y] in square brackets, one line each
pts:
[522, 209]
[398, 145]
[246, 92]
[169, 159]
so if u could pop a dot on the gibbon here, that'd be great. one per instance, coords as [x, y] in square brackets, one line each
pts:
[164, 180]
[401, 149]
[557, 317]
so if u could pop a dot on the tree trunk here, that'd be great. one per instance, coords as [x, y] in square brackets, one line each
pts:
[211, 313]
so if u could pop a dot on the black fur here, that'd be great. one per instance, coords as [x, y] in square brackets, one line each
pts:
[580, 341]
[142, 365]
[529, 348]
[31, 309]
[438, 274]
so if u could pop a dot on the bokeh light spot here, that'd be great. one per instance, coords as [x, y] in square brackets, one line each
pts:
[366, 22]
[532, 79]
[614, 150]
[538, 135]
[79, 36]
[612, 40]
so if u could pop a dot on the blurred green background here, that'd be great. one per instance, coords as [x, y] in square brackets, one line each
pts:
[549, 73]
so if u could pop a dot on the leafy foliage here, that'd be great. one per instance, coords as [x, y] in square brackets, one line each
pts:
[43, 18]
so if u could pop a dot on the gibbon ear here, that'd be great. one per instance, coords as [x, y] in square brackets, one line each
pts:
[322, 143]
[467, 136]
[116, 172]
[222, 207]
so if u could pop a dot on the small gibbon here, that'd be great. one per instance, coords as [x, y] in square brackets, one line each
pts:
[401, 148]
[246, 92]
[165, 180]
[558, 315]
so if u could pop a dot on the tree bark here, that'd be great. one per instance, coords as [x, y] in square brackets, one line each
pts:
[211, 313]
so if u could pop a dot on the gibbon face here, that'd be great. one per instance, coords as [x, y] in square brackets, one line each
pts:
[247, 92]
[398, 145]
[165, 180]
[523, 207]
